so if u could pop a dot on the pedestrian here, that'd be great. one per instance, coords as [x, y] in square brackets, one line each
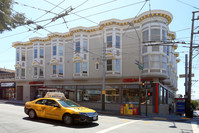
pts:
[169, 109]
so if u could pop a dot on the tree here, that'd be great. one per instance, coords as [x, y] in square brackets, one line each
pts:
[194, 104]
[9, 19]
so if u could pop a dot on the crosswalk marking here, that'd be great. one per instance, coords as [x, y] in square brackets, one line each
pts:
[195, 127]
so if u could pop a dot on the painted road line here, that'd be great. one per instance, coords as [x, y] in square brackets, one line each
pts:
[159, 118]
[117, 126]
[195, 127]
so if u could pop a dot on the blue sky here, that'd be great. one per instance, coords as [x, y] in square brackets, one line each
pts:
[34, 10]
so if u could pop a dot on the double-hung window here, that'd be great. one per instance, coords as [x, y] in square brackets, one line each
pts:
[117, 41]
[85, 46]
[61, 48]
[54, 50]
[18, 56]
[155, 34]
[145, 36]
[77, 67]
[35, 71]
[54, 69]
[109, 65]
[117, 65]
[41, 72]
[23, 58]
[77, 47]
[84, 67]
[60, 69]
[41, 53]
[35, 53]
[109, 41]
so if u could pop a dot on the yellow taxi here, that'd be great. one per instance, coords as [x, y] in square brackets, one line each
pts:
[59, 108]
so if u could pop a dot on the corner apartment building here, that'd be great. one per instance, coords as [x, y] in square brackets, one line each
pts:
[72, 63]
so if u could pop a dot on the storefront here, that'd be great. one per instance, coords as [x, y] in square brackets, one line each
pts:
[7, 90]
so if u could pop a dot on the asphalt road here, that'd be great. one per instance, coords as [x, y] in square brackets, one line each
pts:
[14, 120]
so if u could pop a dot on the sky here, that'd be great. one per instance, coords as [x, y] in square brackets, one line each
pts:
[89, 13]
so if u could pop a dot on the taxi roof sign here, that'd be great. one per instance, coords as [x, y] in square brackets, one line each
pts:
[55, 95]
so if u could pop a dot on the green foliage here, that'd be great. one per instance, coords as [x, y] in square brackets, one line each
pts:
[194, 104]
[9, 19]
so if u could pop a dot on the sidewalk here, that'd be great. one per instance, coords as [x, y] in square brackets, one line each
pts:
[163, 117]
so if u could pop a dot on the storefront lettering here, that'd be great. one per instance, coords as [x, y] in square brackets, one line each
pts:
[7, 84]
[135, 80]
[31, 83]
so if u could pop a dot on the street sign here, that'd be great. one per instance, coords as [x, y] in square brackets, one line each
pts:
[139, 64]
[183, 75]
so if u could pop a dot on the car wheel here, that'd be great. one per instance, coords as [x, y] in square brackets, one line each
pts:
[68, 120]
[32, 114]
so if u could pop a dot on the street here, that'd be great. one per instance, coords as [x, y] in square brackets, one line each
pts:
[14, 120]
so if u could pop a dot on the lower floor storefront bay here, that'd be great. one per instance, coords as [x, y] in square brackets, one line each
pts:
[115, 95]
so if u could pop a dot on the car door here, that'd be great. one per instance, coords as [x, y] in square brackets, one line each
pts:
[40, 107]
[53, 110]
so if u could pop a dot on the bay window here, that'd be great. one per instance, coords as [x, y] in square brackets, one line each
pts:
[145, 61]
[41, 53]
[85, 46]
[145, 36]
[61, 50]
[77, 47]
[77, 67]
[54, 69]
[117, 41]
[155, 61]
[60, 69]
[109, 41]
[164, 62]
[35, 53]
[54, 50]
[84, 67]
[155, 34]
[18, 56]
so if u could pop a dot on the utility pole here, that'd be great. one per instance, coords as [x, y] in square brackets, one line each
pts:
[188, 114]
[186, 82]
[104, 76]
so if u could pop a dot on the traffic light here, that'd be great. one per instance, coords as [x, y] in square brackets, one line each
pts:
[143, 84]
[149, 93]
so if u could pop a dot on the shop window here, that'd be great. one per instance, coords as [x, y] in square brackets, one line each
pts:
[112, 95]
[145, 36]
[109, 65]
[117, 41]
[109, 41]
[89, 94]
[54, 50]
[155, 34]
[155, 61]
[77, 47]
[161, 95]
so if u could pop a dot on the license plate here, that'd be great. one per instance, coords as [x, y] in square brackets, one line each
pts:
[95, 118]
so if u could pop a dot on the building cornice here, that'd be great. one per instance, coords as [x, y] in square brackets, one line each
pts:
[103, 24]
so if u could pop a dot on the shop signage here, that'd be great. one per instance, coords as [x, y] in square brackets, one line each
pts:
[32, 83]
[135, 80]
[7, 84]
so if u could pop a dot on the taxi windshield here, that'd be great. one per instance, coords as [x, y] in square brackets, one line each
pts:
[68, 103]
